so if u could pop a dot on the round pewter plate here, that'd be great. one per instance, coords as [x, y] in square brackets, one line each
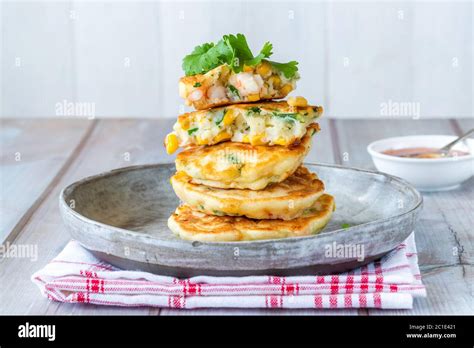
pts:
[121, 216]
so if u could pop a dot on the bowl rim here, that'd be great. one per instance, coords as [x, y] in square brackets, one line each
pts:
[381, 155]
[65, 208]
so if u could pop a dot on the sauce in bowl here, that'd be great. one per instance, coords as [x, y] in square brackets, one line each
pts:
[422, 152]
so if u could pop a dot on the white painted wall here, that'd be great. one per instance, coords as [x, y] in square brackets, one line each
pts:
[125, 56]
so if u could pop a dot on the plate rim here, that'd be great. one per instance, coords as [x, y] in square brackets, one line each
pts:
[129, 233]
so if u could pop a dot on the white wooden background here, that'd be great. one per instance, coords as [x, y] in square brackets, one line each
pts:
[125, 56]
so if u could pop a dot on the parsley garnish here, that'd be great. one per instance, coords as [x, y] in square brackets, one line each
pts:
[192, 130]
[197, 84]
[234, 51]
[345, 225]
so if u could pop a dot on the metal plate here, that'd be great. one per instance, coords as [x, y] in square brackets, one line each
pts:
[121, 216]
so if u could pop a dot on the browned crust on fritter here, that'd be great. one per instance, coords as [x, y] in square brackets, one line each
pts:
[301, 184]
[195, 225]
[281, 105]
[275, 161]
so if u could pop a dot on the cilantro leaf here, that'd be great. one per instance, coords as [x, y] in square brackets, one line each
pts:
[288, 69]
[265, 52]
[195, 62]
[240, 51]
[204, 58]
[234, 51]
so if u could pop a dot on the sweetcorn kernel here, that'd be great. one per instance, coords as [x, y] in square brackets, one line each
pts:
[275, 80]
[171, 143]
[297, 101]
[280, 141]
[253, 97]
[229, 117]
[222, 136]
[184, 123]
[200, 141]
[245, 139]
[247, 68]
[286, 89]
[180, 174]
[257, 139]
[264, 69]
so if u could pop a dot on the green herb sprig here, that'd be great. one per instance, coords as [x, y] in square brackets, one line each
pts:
[234, 51]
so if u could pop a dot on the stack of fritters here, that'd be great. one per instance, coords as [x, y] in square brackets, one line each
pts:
[240, 175]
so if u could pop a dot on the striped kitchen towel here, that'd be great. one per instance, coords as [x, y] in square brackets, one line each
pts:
[76, 276]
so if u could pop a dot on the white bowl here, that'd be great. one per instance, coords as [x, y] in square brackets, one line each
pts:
[426, 174]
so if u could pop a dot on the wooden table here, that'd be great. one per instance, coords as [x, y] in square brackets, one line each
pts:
[40, 157]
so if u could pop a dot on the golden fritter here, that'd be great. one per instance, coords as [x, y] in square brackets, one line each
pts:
[193, 225]
[243, 166]
[286, 200]
[222, 86]
[272, 123]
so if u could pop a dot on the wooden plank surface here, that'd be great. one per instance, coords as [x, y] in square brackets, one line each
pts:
[444, 231]
[464, 124]
[449, 292]
[443, 235]
[112, 144]
[32, 155]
